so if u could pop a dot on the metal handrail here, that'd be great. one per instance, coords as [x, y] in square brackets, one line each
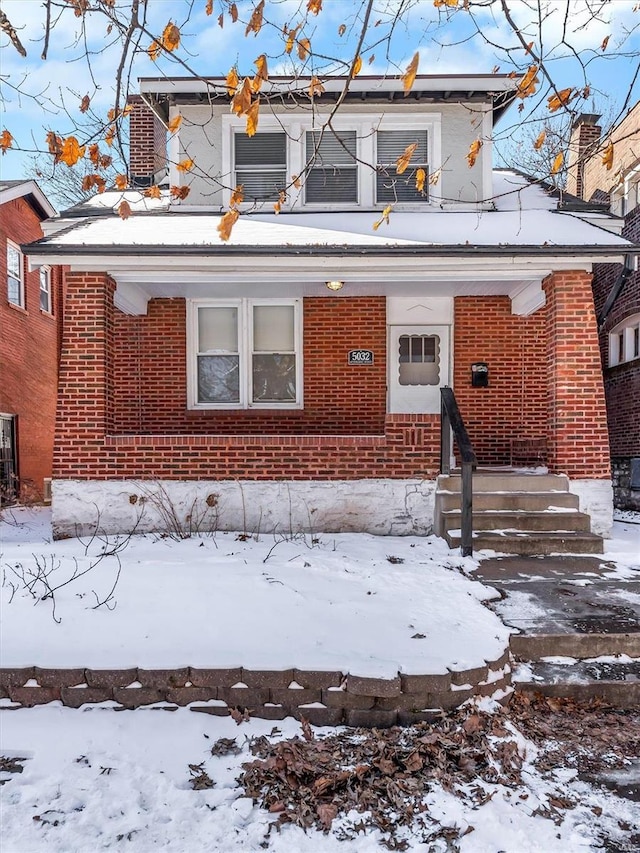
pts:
[451, 421]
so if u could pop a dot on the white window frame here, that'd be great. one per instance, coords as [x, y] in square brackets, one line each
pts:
[245, 352]
[365, 125]
[20, 279]
[45, 272]
[624, 341]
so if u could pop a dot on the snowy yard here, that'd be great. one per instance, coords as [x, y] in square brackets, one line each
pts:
[146, 780]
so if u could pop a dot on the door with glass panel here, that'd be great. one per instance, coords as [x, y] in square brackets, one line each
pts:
[418, 367]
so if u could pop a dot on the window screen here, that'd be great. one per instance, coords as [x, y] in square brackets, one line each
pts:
[261, 165]
[418, 360]
[218, 355]
[274, 360]
[391, 187]
[333, 176]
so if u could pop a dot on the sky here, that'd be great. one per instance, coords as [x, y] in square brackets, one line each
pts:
[84, 62]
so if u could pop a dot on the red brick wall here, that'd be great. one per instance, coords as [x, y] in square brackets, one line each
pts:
[622, 383]
[575, 404]
[147, 140]
[150, 371]
[28, 353]
[514, 404]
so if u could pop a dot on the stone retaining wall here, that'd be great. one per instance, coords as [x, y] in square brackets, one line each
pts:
[324, 698]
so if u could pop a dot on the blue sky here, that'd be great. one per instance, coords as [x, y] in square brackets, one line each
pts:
[447, 43]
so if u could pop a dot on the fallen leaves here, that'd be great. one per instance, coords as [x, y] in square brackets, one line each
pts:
[124, 209]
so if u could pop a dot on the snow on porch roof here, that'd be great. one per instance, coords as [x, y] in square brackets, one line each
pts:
[525, 221]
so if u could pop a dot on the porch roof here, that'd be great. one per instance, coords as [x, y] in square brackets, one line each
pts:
[525, 221]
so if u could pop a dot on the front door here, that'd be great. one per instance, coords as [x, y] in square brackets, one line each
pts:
[418, 367]
[8, 466]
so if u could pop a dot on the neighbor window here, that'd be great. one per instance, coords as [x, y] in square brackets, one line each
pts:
[624, 341]
[260, 165]
[45, 289]
[15, 275]
[390, 186]
[333, 174]
[245, 353]
[418, 360]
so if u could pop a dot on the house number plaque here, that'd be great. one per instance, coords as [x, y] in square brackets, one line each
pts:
[360, 356]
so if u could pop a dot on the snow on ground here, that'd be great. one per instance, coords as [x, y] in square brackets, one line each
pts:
[96, 779]
[348, 602]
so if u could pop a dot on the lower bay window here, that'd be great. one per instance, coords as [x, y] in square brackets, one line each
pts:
[244, 353]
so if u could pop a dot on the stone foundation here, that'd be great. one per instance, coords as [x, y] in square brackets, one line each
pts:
[624, 497]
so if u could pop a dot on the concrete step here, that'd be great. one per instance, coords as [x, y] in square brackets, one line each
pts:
[526, 501]
[615, 681]
[568, 520]
[531, 544]
[505, 481]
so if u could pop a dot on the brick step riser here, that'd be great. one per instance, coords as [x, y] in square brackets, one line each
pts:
[624, 694]
[524, 501]
[540, 545]
[529, 522]
[534, 647]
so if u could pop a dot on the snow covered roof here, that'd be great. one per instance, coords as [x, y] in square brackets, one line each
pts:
[525, 221]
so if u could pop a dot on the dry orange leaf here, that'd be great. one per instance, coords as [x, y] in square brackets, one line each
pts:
[439, 3]
[233, 11]
[94, 153]
[121, 182]
[174, 124]
[252, 118]
[304, 48]
[295, 180]
[221, 20]
[179, 192]
[540, 140]
[405, 158]
[91, 181]
[607, 157]
[605, 42]
[208, 9]
[557, 164]
[291, 39]
[6, 141]
[357, 66]
[170, 37]
[262, 74]
[105, 161]
[474, 150]
[225, 226]
[84, 104]
[110, 136]
[242, 99]
[232, 81]
[409, 75]
[185, 165]
[71, 152]
[434, 177]
[314, 6]
[237, 196]
[124, 210]
[559, 100]
[54, 143]
[421, 177]
[153, 192]
[154, 50]
[255, 22]
[315, 87]
[384, 218]
[342, 29]
[527, 86]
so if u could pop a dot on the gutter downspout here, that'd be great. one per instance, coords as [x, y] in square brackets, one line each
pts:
[629, 267]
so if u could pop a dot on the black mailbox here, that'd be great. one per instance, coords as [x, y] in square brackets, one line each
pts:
[480, 374]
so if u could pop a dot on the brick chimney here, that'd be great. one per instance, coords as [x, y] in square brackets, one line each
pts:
[585, 136]
[147, 144]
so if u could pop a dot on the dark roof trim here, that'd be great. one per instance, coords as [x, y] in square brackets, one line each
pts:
[42, 247]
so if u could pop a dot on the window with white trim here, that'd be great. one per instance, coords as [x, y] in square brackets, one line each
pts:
[390, 146]
[15, 274]
[333, 174]
[45, 290]
[245, 353]
[624, 341]
[260, 165]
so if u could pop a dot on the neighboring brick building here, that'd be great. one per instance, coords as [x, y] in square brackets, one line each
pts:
[30, 331]
[620, 313]
[291, 375]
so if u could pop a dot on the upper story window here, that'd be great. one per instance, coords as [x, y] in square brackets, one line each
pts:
[45, 290]
[333, 176]
[245, 353]
[260, 165]
[15, 274]
[624, 341]
[390, 146]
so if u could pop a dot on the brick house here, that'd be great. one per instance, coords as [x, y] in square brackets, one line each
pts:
[289, 378]
[616, 290]
[30, 324]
